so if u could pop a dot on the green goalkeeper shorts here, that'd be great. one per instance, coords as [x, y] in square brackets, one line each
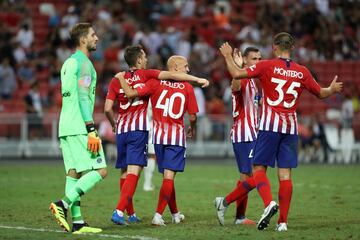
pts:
[77, 156]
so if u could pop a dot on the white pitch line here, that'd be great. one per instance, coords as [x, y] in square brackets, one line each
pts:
[89, 234]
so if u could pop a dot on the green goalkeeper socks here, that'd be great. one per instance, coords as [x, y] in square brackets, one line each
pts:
[75, 206]
[82, 186]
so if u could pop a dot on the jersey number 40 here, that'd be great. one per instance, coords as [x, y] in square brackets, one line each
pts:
[167, 104]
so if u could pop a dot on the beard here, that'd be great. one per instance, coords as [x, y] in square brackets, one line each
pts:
[91, 48]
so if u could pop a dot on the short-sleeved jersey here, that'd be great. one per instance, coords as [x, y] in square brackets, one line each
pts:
[77, 67]
[169, 100]
[132, 113]
[245, 108]
[283, 81]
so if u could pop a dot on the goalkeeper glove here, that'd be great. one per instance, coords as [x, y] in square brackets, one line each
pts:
[94, 142]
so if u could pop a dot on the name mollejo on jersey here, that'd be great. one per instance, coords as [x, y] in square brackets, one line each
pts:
[288, 73]
[172, 84]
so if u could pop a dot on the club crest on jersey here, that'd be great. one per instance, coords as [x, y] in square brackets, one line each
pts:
[86, 81]
[288, 73]
[99, 160]
[178, 85]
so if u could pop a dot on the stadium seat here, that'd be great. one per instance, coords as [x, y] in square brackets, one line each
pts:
[347, 141]
[332, 137]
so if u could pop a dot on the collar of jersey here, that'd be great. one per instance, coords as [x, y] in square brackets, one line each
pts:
[80, 53]
[285, 59]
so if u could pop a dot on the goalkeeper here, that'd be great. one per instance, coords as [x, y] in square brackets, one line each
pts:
[80, 144]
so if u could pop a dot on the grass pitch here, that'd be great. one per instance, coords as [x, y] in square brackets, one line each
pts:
[325, 205]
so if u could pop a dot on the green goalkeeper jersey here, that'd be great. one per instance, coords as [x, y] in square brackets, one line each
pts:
[78, 84]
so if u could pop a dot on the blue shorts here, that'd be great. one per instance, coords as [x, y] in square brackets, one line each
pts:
[170, 157]
[243, 155]
[131, 149]
[273, 146]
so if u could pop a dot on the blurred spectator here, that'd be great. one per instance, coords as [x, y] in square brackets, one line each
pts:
[165, 51]
[156, 39]
[187, 7]
[142, 37]
[54, 19]
[222, 19]
[34, 111]
[202, 127]
[184, 46]
[25, 36]
[205, 51]
[19, 53]
[249, 31]
[54, 37]
[55, 68]
[216, 110]
[63, 52]
[355, 98]
[319, 141]
[323, 6]
[305, 141]
[26, 72]
[68, 21]
[347, 112]
[172, 37]
[7, 79]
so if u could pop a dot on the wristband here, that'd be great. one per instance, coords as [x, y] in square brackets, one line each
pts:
[90, 127]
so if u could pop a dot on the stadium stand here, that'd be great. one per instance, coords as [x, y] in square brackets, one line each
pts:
[328, 45]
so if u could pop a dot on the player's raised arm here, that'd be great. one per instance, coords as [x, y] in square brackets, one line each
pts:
[235, 71]
[334, 87]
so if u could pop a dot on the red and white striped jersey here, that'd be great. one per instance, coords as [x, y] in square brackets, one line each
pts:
[132, 113]
[169, 100]
[283, 81]
[245, 112]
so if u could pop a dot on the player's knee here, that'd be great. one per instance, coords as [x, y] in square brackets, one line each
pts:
[103, 172]
[284, 177]
[72, 173]
[284, 174]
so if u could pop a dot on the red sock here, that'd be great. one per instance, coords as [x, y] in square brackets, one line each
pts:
[130, 208]
[122, 181]
[128, 190]
[285, 193]
[241, 190]
[165, 195]
[172, 203]
[263, 186]
[241, 204]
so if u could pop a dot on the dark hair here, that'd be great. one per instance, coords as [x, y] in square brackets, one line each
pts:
[132, 54]
[284, 40]
[78, 31]
[250, 49]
